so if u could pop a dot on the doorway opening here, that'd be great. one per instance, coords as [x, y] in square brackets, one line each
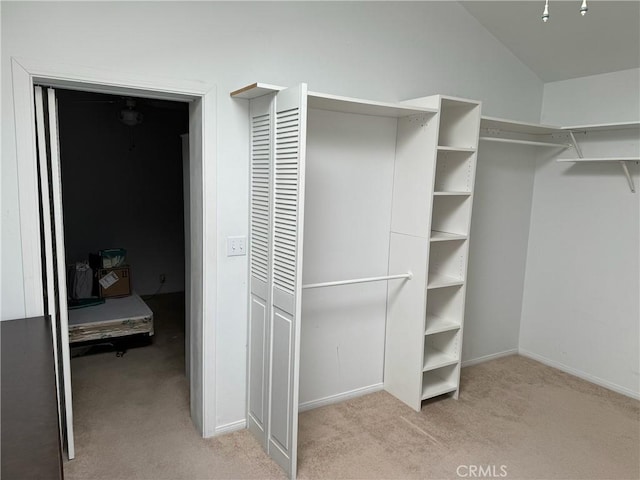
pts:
[39, 259]
[124, 204]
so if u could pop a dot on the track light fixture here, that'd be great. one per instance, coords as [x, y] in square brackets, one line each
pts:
[545, 13]
[583, 8]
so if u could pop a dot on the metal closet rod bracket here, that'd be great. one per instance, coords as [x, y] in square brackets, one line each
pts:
[625, 169]
[406, 276]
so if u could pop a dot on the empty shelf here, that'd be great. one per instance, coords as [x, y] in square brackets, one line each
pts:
[437, 236]
[337, 103]
[446, 148]
[439, 325]
[604, 126]
[433, 388]
[255, 90]
[452, 193]
[621, 160]
[601, 159]
[515, 126]
[437, 359]
[437, 280]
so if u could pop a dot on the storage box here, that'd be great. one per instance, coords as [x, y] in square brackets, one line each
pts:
[108, 258]
[113, 282]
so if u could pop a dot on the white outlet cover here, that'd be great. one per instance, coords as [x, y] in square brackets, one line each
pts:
[236, 246]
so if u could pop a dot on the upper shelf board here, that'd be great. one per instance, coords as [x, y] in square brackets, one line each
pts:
[255, 90]
[336, 103]
[516, 126]
[538, 129]
[446, 148]
[604, 126]
[434, 101]
[600, 159]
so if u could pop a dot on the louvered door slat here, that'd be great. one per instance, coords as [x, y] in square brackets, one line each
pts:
[260, 230]
[288, 208]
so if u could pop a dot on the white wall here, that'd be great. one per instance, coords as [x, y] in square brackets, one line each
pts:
[581, 307]
[347, 222]
[607, 98]
[385, 51]
[122, 187]
[498, 250]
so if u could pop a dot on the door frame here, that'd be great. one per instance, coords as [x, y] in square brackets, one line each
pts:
[203, 207]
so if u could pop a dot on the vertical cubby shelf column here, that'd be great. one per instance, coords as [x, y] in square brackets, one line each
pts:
[447, 223]
[431, 216]
[458, 132]
[408, 251]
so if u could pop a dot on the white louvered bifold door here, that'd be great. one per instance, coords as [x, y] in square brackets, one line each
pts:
[286, 298]
[262, 125]
[55, 291]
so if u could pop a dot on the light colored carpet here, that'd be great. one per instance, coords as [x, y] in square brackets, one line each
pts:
[514, 417]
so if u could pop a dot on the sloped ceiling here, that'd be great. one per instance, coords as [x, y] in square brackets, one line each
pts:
[606, 39]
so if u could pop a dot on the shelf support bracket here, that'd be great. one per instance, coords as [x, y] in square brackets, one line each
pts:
[623, 163]
[575, 144]
[629, 177]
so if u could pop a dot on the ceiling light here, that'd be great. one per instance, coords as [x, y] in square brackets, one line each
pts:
[130, 116]
[584, 8]
[545, 13]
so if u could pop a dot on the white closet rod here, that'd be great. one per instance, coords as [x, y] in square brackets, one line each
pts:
[525, 142]
[407, 275]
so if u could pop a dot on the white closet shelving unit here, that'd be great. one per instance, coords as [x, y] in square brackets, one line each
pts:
[433, 181]
[431, 218]
[632, 127]
[278, 149]
[500, 130]
[635, 125]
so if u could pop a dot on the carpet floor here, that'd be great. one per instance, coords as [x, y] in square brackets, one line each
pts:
[515, 419]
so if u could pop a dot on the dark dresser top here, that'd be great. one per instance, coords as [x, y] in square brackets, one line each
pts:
[30, 439]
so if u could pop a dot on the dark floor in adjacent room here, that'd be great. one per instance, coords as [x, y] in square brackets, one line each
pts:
[132, 422]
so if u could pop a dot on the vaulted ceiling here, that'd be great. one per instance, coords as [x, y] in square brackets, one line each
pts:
[569, 45]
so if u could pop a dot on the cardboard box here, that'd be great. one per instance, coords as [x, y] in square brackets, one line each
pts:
[114, 282]
[109, 258]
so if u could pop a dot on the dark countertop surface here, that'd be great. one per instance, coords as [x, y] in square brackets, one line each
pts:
[30, 438]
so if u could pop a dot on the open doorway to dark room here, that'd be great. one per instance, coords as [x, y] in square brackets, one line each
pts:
[124, 226]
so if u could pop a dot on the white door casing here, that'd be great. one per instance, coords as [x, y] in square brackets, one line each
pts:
[186, 198]
[203, 221]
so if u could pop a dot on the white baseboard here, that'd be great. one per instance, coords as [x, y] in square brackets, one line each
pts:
[580, 374]
[340, 397]
[486, 358]
[231, 427]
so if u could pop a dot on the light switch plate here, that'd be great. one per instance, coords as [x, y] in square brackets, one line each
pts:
[236, 246]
